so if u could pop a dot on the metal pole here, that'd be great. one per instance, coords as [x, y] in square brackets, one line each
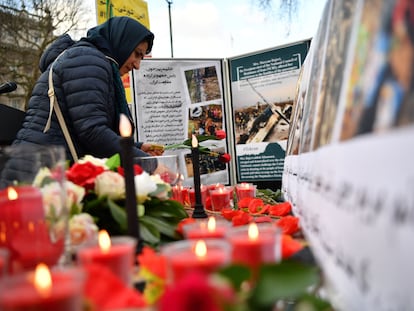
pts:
[169, 16]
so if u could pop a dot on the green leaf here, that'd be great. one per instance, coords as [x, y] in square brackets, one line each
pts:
[114, 162]
[312, 303]
[118, 213]
[236, 274]
[162, 225]
[286, 280]
[149, 233]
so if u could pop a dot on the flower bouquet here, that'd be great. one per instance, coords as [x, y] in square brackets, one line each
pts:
[97, 192]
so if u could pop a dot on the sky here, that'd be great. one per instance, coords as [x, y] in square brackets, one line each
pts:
[224, 28]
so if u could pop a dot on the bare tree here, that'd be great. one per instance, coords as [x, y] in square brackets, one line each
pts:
[287, 9]
[26, 30]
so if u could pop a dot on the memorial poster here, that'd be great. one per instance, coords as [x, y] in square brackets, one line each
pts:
[262, 88]
[177, 98]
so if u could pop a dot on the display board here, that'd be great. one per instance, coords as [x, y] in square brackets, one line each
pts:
[348, 170]
[262, 86]
[177, 98]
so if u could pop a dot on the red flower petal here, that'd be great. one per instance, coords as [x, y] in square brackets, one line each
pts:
[153, 261]
[84, 174]
[241, 219]
[280, 209]
[290, 246]
[289, 224]
[244, 203]
[255, 205]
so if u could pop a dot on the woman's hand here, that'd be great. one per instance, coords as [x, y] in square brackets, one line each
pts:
[153, 149]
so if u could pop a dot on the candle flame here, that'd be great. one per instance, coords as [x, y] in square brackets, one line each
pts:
[125, 128]
[200, 249]
[253, 232]
[104, 241]
[194, 141]
[42, 279]
[211, 224]
[245, 185]
[12, 194]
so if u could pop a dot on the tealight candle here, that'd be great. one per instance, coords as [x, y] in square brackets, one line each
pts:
[245, 190]
[221, 198]
[116, 253]
[42, 289]
[254, 244]
[212, 228]
[205, 256]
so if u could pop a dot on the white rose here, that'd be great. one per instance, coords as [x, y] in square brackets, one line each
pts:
[159, 181]
[74, 194]
[144, 185]
[41, 175]
[111, 184]
[52, 199]
[82, 228]
[95, 161]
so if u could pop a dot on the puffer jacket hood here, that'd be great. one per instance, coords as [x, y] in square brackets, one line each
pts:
[58, 46]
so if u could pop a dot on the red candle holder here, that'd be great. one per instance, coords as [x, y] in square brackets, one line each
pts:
[33, 211]
[4, 261]
[19, 293]
[254, 244]
[210, 228]
[221, 198]
[186, 256]
[119, 257]
[245, 190]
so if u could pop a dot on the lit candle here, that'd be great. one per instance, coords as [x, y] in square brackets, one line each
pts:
[221, 198]
[24, 230]
[253, 245]
[186, 256]
[116, 253]
[127, 143]
[199, 211]
[212, 228]
[44, 290]
[245, 190]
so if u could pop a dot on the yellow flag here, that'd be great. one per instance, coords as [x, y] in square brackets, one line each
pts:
[137, 9]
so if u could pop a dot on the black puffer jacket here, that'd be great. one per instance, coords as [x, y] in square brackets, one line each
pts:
[83, 82]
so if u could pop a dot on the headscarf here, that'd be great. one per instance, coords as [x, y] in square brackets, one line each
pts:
[117, 38]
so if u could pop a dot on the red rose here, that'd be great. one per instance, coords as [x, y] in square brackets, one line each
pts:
[280, 209]
[137, 170]
[289, 224]
[224, 158]
[84, 174]
[241, 219]
[220, 134]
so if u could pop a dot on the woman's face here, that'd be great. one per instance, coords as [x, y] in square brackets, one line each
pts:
[134, 60]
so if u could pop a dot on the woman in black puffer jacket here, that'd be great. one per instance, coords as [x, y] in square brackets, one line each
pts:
[89, 90]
